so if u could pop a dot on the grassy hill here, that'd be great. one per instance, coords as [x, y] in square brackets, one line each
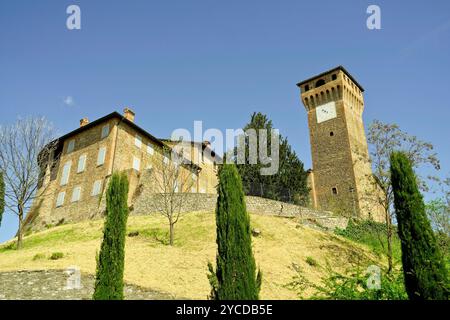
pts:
[283, 247]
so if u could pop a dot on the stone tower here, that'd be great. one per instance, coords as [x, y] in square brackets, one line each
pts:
[341, 179]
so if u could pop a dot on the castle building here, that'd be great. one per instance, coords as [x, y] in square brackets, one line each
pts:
[341, 178]
[72, 188]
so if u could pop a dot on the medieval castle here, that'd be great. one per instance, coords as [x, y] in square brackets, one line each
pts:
[341, 178]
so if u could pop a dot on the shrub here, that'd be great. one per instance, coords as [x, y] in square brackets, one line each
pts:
[56, 256]
[372, 234]
[39, 256]
[351, 285]
[311, 261]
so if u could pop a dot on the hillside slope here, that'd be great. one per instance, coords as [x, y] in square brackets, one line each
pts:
[280, 250]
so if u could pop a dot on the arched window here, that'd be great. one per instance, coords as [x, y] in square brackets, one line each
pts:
[320, 82]
[334, 77]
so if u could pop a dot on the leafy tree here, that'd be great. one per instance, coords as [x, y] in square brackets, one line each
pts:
[438, 212]
[423, 266]
[383, 139]
[289, 184]
[110, 262]
[2, 197]
[234, 278]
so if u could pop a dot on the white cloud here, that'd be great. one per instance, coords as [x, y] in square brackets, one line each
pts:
[69, 101]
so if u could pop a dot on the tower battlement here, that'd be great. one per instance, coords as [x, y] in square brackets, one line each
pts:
[341, 178]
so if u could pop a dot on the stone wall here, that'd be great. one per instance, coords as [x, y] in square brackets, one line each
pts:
[145, 204]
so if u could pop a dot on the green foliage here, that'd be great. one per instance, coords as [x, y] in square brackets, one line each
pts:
[55, 256]
[351, 285]
[2, 196]
[312, 262]
[372, 234]
[288, 184]
[234, 278]
[110, 261]
[424, 269]
[438, 211]
[38, 256]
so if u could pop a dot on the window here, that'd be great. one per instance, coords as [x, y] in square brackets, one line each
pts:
[66, 173]
[101, 156]
[136, 163]
[138, 141]
[97, 188]
[331, 133]
[334, 190]
[334, 77]
[60, 199]
[306, 88]
[150, 149]
[320, 82]
[70, 146]
[81, 163]
[76, 194]
[105, 131]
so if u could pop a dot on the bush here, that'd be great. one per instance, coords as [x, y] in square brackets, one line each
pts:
[372, 234]
[312, 262]
[56, 256]
[351, 286]
[38, 256]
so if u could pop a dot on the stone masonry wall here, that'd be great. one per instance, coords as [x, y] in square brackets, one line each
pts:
[145, 204]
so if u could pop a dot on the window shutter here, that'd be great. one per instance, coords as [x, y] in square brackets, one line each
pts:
[138, 141]
[101, 156]
[60, 199]
[105, 131]
[66, 173]
[81, 163]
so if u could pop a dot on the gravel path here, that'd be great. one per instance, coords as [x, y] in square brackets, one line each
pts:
[53, 285]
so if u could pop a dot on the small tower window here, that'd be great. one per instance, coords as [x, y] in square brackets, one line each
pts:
[306, 88]
[319, 83]
[331, 133]
[334, 190]
[334, 77]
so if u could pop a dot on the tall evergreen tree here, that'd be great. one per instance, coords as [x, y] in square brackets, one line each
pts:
[235, 276]
[2, 196]
[110, 262]
[289, 184]
[423, 265]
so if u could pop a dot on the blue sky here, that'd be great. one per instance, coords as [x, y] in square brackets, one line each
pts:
[175, 62]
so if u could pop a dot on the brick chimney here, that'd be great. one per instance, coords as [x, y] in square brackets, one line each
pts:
[129, 114]
[84, 122]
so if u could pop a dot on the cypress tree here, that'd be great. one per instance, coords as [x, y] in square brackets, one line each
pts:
[423, 265]
[2, 197]
[235, 276]
[110, 262]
